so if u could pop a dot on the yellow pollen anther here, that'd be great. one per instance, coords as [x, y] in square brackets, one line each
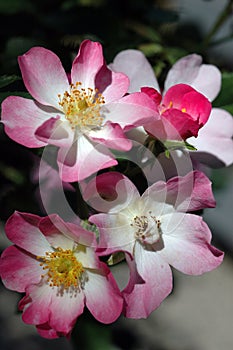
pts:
[170, 104]
[82, 107]
[64, 270]
[183, 110]
[164, 108]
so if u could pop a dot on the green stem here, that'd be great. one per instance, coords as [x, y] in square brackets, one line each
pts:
[221, 40]
[218, 23]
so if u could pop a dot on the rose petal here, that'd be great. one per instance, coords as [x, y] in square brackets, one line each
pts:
[55, 229]
[132, 110]
[215, 138]
[36, 306]
[110, 84]
[64, 310]
[190, 70]
[115, 233]
[186, 193]
[18, 269]
[21, 117]
[22, 229]
[208, 87]
[112, 136]
[185, 98]
[136, 66]
[110, 192]
[146, 296]
[43, 75]
[185, 70]
[103, 297]
[186, 239]
[55, 132]
[87, 63]
[46, 331]
[74, 163]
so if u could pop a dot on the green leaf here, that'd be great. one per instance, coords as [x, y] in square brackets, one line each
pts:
[15, 6]
[228, 108]
[172, 145]
[90, 334]
[8, 79]
[12, 174]
[189, 146]
[167, 153]
[116, 258]
[172, 54]
[18, 45]
[225, 97]
[151, 49]
[66, 5]
[90, 227]
[158, 68]
[145, 31]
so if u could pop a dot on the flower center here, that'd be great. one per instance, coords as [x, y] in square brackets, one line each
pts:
[82, 107]
[64, 270]
[147, 228]
[163, 108]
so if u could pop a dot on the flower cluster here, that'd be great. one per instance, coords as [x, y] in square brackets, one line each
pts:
[144, 214]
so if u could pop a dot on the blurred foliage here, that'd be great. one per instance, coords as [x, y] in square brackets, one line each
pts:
[153, 26]
[225, 97]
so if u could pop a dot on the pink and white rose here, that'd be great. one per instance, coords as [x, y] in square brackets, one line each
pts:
[155, 230]
[214, 142]
[183, 111]
[55, 264]
[83, 115]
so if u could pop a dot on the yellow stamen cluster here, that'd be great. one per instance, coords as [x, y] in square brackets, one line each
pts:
[82, 106]
[64, 270]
